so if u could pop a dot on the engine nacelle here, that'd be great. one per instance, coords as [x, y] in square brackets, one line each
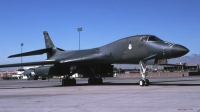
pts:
[56, 70]
[45, 71]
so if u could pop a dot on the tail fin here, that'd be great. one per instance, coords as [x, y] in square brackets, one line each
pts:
[48, 41]
[49, 44]
[50, 49]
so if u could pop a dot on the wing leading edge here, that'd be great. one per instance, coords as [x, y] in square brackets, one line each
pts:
[78, 59]
[30, 64]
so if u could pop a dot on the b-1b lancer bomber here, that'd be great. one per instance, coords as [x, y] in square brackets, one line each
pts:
[97, 62]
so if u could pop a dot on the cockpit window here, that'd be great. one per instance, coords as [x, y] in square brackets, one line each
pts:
[150, 38]
[153, 38]
[143, 38]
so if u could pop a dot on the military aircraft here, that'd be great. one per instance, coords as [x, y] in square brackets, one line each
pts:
[97, 62]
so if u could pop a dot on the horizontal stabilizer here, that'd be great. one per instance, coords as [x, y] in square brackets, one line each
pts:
[36, 52]
[30, 64]
[60, 49]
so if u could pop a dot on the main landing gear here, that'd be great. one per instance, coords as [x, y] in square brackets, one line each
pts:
[68, 82]
[143, 68]
[44, 78]
[93, 81]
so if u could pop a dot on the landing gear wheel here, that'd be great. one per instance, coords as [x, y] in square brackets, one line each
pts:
[73, 81]
[64, 82]
[68, 82]
[36, 77]
[90, 81]
[43, 78]
[95, 81]
[100, 80]
[146, 82]
[141, 82]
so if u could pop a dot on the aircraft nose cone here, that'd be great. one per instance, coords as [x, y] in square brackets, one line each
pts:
[179, 50]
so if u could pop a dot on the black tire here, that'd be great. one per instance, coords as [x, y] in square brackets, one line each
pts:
[100, 80]
[146, 82]
[141, 82]
[68, 82]
[43, 78]
[73, 81]
[64, 82]
[90, 81]
[36, 77]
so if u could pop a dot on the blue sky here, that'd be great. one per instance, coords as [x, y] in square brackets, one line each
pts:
[103, 21]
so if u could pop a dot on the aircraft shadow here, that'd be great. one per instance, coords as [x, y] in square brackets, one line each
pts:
[152, 83]
[158, 84]
[176, 83]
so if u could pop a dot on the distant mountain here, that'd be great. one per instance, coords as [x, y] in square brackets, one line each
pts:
[190, 60]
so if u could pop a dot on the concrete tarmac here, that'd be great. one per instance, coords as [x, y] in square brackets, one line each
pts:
[165, 94]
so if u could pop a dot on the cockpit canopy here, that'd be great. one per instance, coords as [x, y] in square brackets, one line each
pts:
[150, 38]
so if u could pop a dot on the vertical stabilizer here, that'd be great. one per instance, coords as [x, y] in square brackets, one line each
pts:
[49, 44]
[48, 41]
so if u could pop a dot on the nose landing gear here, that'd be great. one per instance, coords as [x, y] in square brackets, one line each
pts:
[143, 68]
[144, 82]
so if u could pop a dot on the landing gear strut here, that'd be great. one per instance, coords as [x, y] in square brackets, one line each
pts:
[143, 68]
[68, 82]
[93, 81]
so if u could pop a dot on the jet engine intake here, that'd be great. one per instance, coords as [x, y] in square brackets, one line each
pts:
[56, 70]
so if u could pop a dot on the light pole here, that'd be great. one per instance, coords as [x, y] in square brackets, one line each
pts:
[79, 29]
[22, 44]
